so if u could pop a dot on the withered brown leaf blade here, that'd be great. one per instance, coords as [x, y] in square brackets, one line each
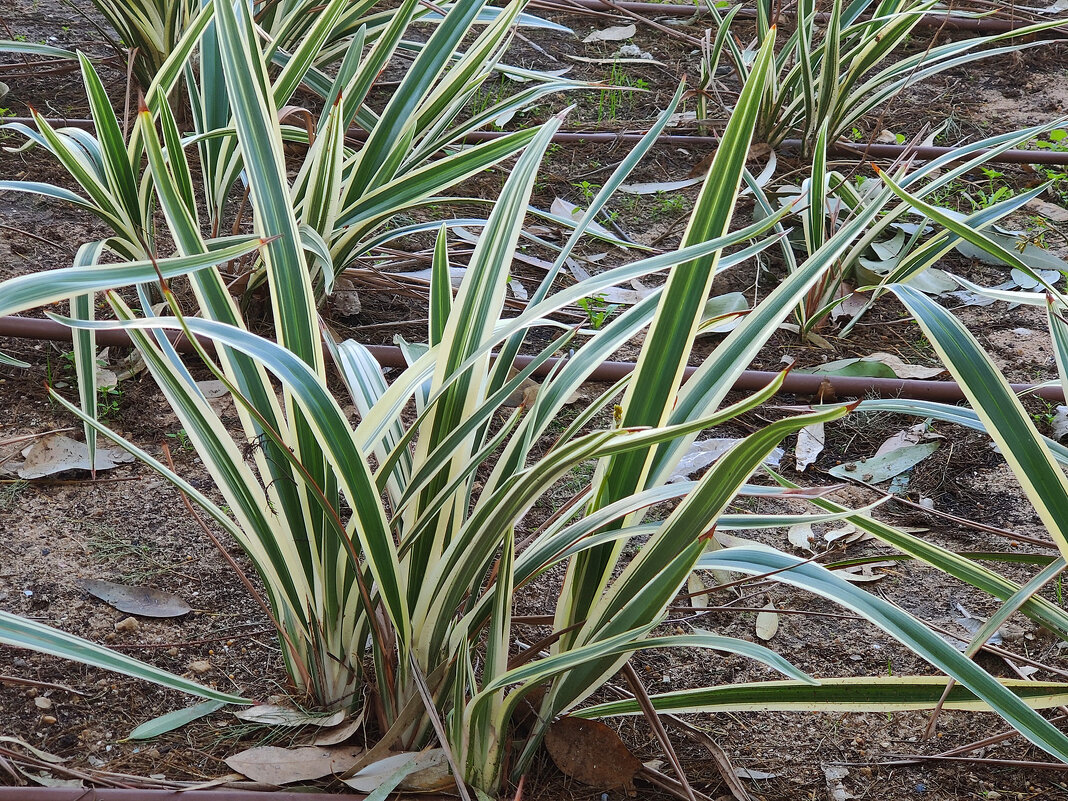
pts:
[590, 752]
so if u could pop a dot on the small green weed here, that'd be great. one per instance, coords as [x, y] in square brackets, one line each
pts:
[1046, 416]
[107, 403]
[611, 100]
[587, 189]
[181, 439]
[597, 309]
[669, 204]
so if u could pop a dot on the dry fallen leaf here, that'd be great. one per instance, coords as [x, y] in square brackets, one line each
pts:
[767, 622]
[273, 765]
[703, 452]
[800, 536]
[903, 369]
[851, 306]
[144, 601]
[56, 453]
[339, 734]
[810, 440]
[617, 33]
[569, 211]
[695, 585]
[590, 752]
[652, 187]
[414, 771]
[276, 715]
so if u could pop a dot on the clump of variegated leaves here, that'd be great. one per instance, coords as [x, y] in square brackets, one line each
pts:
[394, 543]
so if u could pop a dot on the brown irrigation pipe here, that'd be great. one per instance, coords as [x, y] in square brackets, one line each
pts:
[825, 386]
[872, 151]
[947, 22]
[211, 794]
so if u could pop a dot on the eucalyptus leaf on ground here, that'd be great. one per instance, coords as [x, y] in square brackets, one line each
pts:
[145, 601]
[652, 187]
[276, 715]
[275, 765]
[174, 720]
[592, 753]
[706, 451]
[877, 469]
[767, 622]
[616, 33]
[415, 771]
[57, 453]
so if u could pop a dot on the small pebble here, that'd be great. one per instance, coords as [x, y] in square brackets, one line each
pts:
[42, 703]
[200, 666]
[129, 624]
[48, 720]
[172, 651]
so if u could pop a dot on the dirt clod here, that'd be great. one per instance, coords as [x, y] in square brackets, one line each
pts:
[129, 625]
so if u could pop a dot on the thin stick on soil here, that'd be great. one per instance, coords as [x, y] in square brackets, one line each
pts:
[963, 521]
[35, 683]
[653, 717]
[240, 574]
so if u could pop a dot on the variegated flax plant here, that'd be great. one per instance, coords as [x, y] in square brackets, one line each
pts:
[391, 552]
[836, 67]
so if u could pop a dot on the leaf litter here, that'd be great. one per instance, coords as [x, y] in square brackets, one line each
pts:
[144, 601]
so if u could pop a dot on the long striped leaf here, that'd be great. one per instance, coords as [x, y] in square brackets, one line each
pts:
[19, 632]
[1000, 410]
[885, 694]
[902, 626]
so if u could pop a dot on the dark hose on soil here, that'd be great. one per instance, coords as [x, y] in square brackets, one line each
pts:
[826, 387]
[946, 22]
[840, 149]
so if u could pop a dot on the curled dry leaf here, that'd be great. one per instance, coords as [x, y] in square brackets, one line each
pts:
[273, 765]
[800, 536]
[810, 441]
[590, 752]
[767, 622]
[339, 734]
[144, 601]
